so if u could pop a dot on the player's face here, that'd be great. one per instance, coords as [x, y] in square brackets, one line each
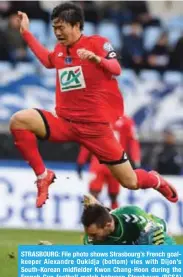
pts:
[97, 233]
[65, 33]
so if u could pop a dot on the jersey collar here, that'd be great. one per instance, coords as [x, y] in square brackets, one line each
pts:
[77, 42]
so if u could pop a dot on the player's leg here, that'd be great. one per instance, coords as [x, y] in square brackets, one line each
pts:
[113, 190]
[96, 179]
[108, 150]
[114, 201]
[25, 127]
[96, 183]
[142, 180]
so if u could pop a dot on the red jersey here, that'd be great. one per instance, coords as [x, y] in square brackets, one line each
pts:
[124, 130]
[85, 91]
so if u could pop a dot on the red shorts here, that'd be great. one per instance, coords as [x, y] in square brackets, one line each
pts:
[96, 137]
[100, 176]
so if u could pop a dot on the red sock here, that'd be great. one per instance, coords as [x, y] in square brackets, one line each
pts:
[114, 205]
[26, 143]
[146, 179]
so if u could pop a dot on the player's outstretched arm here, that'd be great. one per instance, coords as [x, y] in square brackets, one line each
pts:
[37, 48]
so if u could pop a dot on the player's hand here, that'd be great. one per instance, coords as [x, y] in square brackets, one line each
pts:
[23, 21]
[88, 55]
[89, 200]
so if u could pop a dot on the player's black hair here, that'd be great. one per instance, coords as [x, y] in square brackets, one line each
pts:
[70, 13]
[95, 214]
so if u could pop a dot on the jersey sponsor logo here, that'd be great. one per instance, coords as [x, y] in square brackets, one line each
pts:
[71, 78]
[132, 218]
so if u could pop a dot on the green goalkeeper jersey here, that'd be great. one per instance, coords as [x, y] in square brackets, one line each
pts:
[129, 222]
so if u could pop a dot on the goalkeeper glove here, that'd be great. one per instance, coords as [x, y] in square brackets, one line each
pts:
[152, 235]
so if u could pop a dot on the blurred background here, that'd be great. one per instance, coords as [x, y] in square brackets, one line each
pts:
[148, 37]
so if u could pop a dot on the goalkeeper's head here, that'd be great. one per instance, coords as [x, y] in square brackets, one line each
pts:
[98, 222]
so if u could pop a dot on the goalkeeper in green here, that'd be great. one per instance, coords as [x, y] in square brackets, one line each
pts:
[129, 225]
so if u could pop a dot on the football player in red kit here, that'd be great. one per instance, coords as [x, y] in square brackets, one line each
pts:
[87, 101]
[124, 130]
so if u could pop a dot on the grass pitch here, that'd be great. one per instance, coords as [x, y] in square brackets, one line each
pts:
[10, 239]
